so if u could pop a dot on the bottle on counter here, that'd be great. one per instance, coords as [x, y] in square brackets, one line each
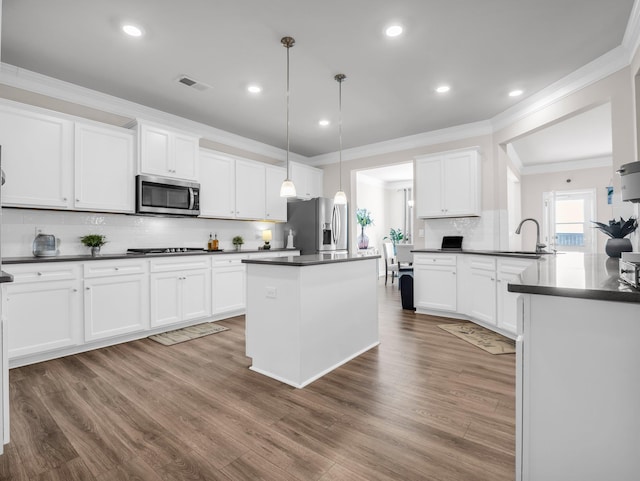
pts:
[215, 242]
[210, 243]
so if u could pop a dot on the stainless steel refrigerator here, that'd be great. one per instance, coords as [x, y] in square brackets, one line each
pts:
[318, 225]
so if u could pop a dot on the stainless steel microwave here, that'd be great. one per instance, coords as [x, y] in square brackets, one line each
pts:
[162, 196]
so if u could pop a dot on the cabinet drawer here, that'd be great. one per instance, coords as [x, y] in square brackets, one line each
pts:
[113, 268]
[442, 260]
[229, 261]
[56, 271]
[483, 263]
[180, 264]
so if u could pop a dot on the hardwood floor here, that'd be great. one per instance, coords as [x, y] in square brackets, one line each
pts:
[424, 405]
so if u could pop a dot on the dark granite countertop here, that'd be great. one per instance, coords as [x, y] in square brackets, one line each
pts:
[107, 257]
[520, 254]
[5, 277]
[310, 260]
[585, 276]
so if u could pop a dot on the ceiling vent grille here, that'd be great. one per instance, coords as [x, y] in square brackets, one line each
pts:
[193, 83]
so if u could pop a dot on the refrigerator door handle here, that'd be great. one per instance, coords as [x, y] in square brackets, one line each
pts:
[335, 221]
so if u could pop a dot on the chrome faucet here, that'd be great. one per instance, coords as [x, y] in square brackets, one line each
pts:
[539, 246]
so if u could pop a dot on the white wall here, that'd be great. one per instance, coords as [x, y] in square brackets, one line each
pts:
[125, 231]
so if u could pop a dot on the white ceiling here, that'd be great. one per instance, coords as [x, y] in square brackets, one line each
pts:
[483, 49]
[581, 137]
[391, 173]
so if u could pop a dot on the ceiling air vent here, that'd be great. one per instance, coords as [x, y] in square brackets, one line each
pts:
[193, 83]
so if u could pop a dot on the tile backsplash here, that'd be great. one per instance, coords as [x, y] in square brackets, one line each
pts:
[19, 228]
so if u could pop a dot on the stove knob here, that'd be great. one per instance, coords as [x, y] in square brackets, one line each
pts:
[167, 250]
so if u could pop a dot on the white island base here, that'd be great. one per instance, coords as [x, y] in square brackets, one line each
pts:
[309, 315]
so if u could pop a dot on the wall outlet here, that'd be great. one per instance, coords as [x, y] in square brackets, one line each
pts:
[271, 292]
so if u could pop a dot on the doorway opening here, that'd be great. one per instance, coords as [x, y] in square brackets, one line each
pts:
[566, 220]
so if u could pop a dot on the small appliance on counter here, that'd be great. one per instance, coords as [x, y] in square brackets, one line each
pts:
[629, 268]
[46, 245]
[452, 243]
[630, 181]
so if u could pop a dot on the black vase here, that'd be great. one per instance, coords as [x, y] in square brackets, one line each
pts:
[615, 247]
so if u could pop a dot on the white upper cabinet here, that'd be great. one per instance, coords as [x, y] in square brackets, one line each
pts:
[104, 169]
[37, 157]
[250, 190]
[167, 153]
[217, 185]
[448, 184]
[308, 180]
[275, 206]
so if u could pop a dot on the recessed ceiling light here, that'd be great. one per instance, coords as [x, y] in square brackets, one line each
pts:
[443, 89]
[254, 89]
[393, 31]
[323, 123]
[132, 30]
[515, 93]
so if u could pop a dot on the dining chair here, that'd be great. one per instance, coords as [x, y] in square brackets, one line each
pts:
[390, 263]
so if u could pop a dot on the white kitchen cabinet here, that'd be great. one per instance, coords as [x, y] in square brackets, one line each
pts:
[37, 157]
[308, 180]
[116, 297]
[104, 169]
[217, 185]
[228, 280]
[448, 184]
[168, 153]
[250, 190]
[509, 270]
[483, 289]
[275, 206]
[180, 289]
[43, 307]
[435, 282]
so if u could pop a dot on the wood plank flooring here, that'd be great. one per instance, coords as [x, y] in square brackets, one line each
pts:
[424, 405]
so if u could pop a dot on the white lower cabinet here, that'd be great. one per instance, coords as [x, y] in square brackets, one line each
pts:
[435, 282]
[43, 307]
[509, 270]
[228, 281]
[180, 289]
[116, 297]
[483, 289]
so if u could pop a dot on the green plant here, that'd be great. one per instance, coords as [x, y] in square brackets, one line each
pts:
[395, 235]
[93, 240]
[237, 240]
[363, 216]
[617, 229]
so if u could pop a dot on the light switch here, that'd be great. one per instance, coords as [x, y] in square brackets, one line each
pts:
[420, 232]
[271, 292]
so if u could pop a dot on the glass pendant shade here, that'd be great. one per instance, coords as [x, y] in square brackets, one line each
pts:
[287, 189]
[340, 198]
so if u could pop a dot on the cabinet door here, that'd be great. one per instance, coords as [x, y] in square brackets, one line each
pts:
[186, 151]
[483, 295]
[104, 169]
[507, 302]
[43, 316]
[37, 159]
[275, 206]
[196, 294]
[250, 190]
[315, 182]
[461, 184]
[105, 318]
[300, 177]
[217, 185]
[428, 181]
[155, 150]
[165, 298]
[435, 287]
[228, 286]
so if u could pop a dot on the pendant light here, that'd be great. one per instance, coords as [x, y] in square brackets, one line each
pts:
[287, 189]
[340, 197]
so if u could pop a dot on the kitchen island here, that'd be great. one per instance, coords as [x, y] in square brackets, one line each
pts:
[307, 315]
[578, 387]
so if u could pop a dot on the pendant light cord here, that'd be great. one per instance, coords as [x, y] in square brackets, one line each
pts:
[340, 78]
[288, 42]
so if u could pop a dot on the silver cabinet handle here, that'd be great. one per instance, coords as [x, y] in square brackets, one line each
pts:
[75, 290]
[87, 288]
[39, 273]
[117, 268]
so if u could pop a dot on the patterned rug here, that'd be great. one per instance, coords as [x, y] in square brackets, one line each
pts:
[485, 339]
[187, 333]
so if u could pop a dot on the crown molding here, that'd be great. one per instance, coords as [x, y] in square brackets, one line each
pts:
[59, 89]
[605, 65]
[434, 137]
[591, 163]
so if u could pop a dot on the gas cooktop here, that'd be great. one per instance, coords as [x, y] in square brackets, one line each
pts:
[164, 250]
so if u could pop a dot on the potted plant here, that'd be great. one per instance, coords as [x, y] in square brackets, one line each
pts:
[95, 241]
[395, 236]
[237, 241]
[617, 232]
[363, 216]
